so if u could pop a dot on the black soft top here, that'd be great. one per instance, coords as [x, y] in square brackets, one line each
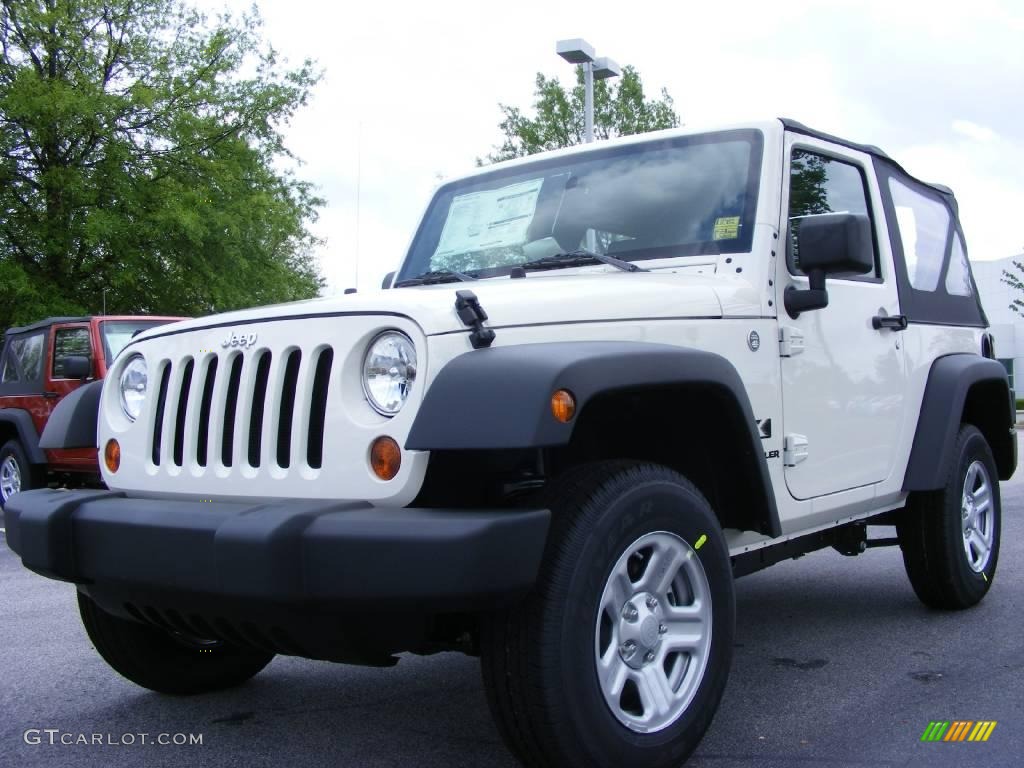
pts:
[45, 323]
[869, 149]
[933, 307]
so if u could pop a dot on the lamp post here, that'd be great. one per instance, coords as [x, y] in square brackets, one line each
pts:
[579, 51]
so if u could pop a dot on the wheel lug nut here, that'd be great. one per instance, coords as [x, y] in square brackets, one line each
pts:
[629, 612]
[652, 603]
[649, 657]
[628, 650]
[662, 629]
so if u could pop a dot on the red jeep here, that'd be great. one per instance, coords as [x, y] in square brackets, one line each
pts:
[39, 365]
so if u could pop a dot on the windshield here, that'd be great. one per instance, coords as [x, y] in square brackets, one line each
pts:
[117, 334]
[672, 197]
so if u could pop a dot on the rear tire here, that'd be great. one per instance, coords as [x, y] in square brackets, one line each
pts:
[167, 663]
[16, 473]
[950, 537]
[620, 654]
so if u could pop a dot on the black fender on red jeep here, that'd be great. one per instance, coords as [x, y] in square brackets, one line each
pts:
[17, 423]
[72, 424]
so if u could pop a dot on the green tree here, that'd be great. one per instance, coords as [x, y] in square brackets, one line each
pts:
[807, 178]
[141, 153]
[620, 109]
[1015, 279]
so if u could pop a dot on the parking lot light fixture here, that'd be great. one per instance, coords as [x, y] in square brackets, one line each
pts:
[579, 51]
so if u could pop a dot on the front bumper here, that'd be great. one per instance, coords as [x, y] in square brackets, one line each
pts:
[274, 563]
[287, 552]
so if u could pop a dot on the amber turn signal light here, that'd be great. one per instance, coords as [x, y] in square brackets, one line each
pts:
[385, 458]
[112, 455]
[563, 405]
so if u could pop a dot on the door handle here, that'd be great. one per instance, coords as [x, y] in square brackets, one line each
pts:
[892, 322]
[49, 395]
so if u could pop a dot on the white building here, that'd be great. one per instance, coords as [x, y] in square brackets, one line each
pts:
[1007, 325]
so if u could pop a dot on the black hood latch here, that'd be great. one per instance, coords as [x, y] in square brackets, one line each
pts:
[468, 308]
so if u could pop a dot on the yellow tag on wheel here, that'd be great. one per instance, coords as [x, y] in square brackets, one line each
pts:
[700, 541]
[727, 228]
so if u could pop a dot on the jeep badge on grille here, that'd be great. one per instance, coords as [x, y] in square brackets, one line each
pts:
[239, 340]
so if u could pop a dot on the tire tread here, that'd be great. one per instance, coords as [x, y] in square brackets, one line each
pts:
[513, 655]
[149, 657]
[930, 543]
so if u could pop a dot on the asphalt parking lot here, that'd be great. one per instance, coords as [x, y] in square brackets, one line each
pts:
[837, 664]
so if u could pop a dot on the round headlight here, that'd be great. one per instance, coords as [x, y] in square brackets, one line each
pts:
[389, 369]
[133, 386]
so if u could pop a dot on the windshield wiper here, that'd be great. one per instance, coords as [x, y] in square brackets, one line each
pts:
[578, 258]
[435, 276]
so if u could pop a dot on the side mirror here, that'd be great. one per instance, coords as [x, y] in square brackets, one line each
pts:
[829, 244]
[77, 367]
[386, 282]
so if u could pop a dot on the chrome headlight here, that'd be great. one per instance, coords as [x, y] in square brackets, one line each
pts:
[389, 370]
[133, 386]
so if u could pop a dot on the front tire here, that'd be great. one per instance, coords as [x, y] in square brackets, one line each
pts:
[621, 653]
[16, 473]
[950, 537]
[164, 663]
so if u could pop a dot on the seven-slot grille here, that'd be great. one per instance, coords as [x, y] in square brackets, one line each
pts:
[258, 408]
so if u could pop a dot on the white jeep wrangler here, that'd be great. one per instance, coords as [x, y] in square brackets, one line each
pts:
[605, 382]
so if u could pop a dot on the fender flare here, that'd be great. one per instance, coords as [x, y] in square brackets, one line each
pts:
[23, 425]
[499, 398]
[73, 422]
[949, 382]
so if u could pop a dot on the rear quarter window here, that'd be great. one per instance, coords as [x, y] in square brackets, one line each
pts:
[923, 225]
[933, 273]
[22, 369]
[23, 359]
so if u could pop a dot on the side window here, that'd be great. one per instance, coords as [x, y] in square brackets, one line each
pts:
[924, 225]
[9, 374]
[66, 342]
[958, 276]
[821, 184]
[24, 360]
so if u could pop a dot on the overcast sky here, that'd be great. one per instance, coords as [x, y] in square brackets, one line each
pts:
[411, 90]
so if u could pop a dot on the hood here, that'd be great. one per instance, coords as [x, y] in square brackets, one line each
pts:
[537, 299]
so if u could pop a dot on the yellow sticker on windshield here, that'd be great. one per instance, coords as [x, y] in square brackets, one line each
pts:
[727, 228]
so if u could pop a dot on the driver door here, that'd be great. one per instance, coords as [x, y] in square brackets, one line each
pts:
[843, 391]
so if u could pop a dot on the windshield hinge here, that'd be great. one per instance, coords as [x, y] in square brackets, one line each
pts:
[791, 341]
[468, 308]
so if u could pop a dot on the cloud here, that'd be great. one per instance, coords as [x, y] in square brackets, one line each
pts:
[990, 201]
[412, 91]
[973, 130]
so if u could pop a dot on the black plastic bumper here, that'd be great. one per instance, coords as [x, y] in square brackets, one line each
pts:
[343, 556]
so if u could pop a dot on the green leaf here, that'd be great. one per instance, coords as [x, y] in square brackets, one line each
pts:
[620, 109]
[141, 154]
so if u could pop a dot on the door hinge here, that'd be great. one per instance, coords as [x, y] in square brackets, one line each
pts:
[791, 341]
[794, 449]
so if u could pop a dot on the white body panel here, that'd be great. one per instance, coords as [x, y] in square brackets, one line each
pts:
[853, 392]
[845, 391]
[349, 428]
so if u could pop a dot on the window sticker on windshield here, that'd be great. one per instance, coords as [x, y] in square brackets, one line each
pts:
[727, 228]
[496, 218]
